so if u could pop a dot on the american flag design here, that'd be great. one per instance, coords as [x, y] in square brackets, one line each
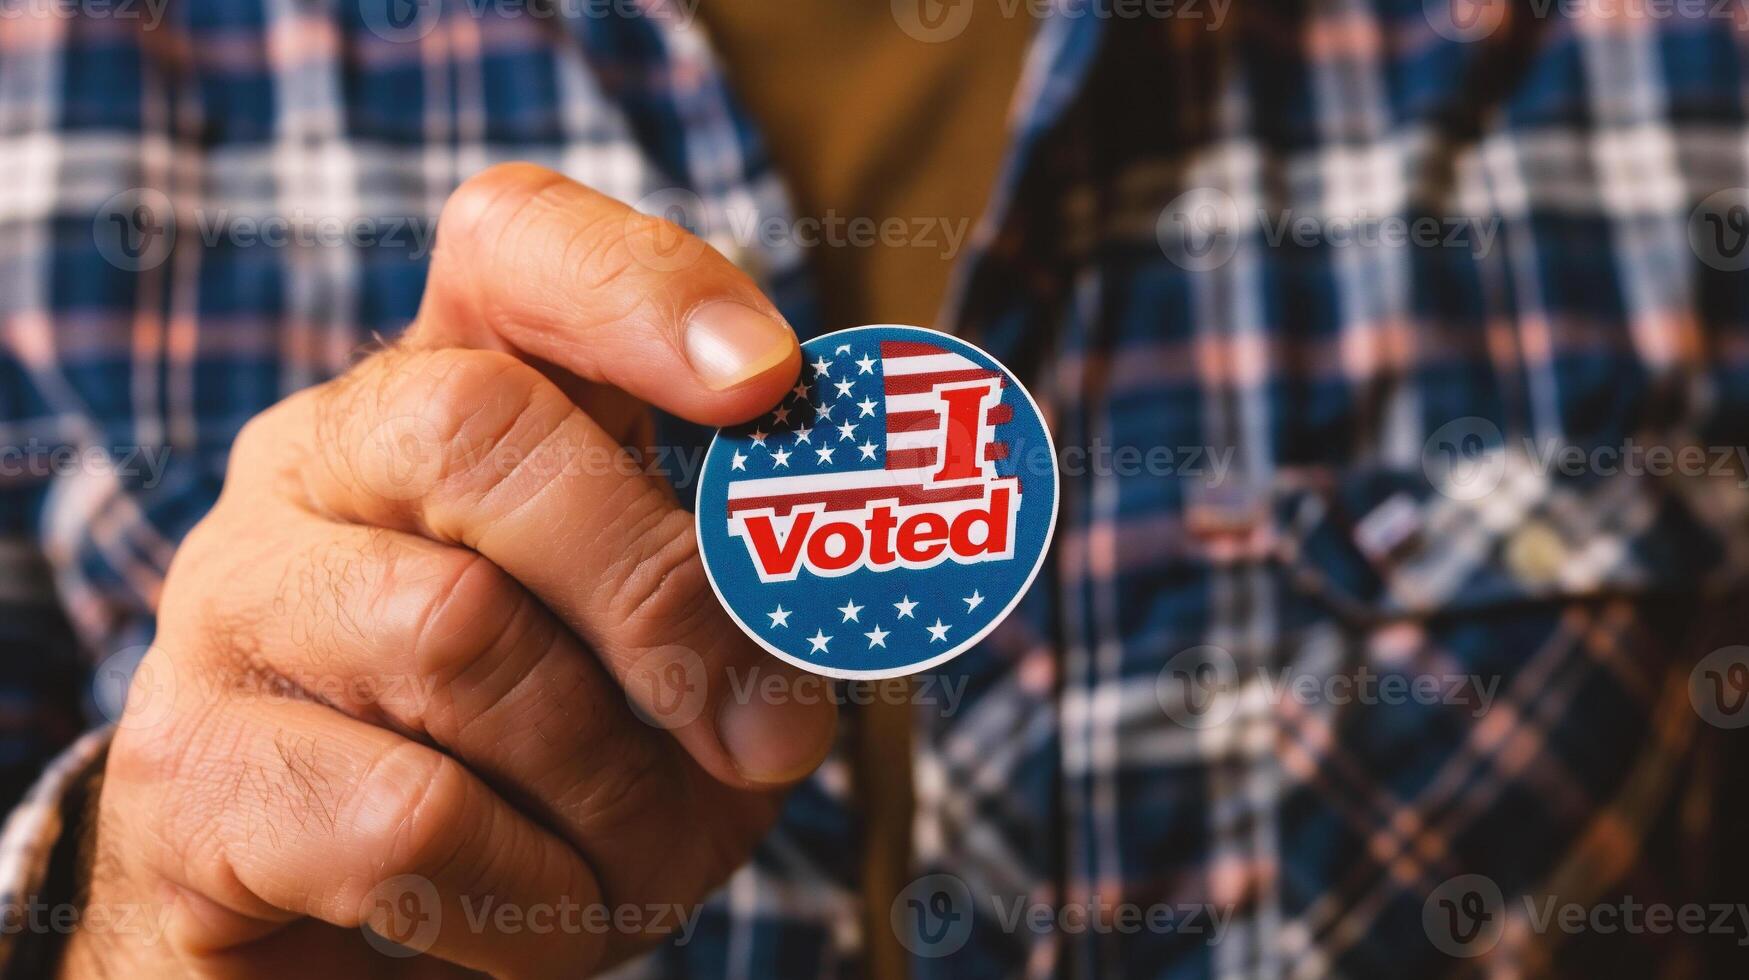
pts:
[888, 512]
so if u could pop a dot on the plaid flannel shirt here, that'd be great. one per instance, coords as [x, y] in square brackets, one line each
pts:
[1294, 454]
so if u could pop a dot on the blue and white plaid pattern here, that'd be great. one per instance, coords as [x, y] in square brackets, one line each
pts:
[1352, 483]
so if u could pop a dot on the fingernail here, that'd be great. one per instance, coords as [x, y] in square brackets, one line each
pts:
[774, 741]
[729, 343]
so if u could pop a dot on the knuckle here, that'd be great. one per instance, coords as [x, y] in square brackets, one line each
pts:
[140, 758]
[511, 212]
[657, 585]
[421, 801]
[467, 611]
[199, 548]
[175, 778]
[491, 410]
[254, 441]
[296, 782]
[435, 422]
[491, 201]
[317, 595]
[448, 386]
[273, 442]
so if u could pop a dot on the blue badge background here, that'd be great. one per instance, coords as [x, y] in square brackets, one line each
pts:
[814, 601]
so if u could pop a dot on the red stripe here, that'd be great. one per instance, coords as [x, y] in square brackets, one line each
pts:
[909, 459]
[912, 421]
[917, 421]
[908, 348]
[917, 384]
[853, 499]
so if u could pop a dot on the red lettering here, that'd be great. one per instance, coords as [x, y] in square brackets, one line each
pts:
[823, 559]
[880, 537]
[773, 559]
[995, 521]
[960, 458]
[922, 537]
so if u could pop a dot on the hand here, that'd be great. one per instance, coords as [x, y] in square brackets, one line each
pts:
[407, 668]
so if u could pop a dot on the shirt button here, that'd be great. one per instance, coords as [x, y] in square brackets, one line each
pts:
[1536, 554]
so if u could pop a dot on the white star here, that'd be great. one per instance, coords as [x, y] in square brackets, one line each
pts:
[877, 637]
[866, 365]
[737, 461]
[868, 449]
[847, 431]
[779, 616]
[825, 454]
[905, 606]
[867, 406]
[818, 641]
[780, 416]
[850, 609]
[973, 601]
[938, 631]
[823, 411]
[759, 437]
[842, 349]
[800, 390]
[822, 367]
[844, 386]
[802, 434]
[780, 457]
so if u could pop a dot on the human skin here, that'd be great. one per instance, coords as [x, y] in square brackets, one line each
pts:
[430, 631]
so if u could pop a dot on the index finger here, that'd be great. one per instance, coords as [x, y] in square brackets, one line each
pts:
[478, 449]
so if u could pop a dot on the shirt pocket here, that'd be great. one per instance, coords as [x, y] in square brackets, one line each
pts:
[1379, 544]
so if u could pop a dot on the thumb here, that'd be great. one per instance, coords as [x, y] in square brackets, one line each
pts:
[535, 264]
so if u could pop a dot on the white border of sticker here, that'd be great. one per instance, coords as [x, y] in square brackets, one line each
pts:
[964, 645]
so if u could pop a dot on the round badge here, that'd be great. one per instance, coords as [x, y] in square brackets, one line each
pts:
[888, 512]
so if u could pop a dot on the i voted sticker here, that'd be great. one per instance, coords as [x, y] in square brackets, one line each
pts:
[888, 513]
